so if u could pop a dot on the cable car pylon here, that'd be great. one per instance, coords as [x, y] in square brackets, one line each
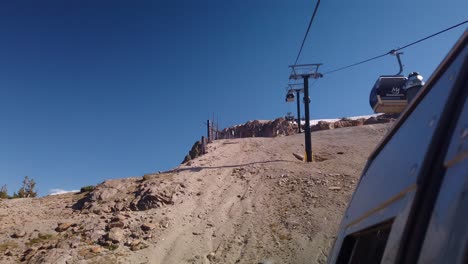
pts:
[290, 98]
[306, 71]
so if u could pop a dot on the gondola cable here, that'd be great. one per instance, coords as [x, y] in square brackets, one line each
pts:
[307, 32]
[393, 51]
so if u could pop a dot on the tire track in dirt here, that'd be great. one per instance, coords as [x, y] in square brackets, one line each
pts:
[211, 218]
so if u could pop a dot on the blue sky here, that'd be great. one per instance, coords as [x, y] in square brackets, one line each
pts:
[92, 90]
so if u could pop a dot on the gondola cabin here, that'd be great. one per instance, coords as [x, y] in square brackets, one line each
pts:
[388, 95]
[290, 96]
[289, 117]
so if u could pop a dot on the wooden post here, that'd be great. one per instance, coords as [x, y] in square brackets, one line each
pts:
[203, 141]
[208, 130]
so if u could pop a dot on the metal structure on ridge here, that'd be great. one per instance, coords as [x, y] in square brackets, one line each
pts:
[298, 89]
[306, 71]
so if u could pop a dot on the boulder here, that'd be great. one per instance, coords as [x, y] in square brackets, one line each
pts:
[194, 152]
[323, 125]
[116, 235]
[342, 123]
[103, 198]
[63, 244]
[95, 233]
[150, 196]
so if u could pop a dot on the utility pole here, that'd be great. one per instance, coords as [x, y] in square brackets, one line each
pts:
[305, 71]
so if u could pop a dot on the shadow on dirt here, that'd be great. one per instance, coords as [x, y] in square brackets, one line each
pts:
[197, 169]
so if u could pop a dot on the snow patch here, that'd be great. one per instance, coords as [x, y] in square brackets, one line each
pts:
[315, 121]
[60, 191]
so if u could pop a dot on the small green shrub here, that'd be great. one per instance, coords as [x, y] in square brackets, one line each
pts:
[7, 245]
[112, 247]
[39, 239]
[88, 188]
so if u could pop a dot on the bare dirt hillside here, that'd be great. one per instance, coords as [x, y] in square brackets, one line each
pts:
[247, 200]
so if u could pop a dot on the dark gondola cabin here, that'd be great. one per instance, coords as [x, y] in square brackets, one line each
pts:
[388, 95]
[290, 97]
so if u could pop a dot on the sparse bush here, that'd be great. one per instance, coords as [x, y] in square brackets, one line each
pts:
[88, 188]
[147, 177]
[345, 119]
[28, 189]
[3, 192]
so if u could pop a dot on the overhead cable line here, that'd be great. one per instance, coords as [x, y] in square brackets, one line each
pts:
[307, 32]
[393, 51]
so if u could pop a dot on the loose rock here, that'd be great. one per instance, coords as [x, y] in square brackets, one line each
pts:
[19, 234]
[96, 249]
[63, 227]
[138, 247]
[118, 224]
[63, 244]
[118, 218]
[211, 256]
[147, 227]
[299, 157]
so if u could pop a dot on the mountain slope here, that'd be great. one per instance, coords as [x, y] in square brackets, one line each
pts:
[246, 201]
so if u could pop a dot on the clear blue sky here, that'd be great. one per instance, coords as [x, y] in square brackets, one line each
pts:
[92, 90]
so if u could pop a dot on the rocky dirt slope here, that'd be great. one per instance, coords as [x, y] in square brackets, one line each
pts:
[245, 201]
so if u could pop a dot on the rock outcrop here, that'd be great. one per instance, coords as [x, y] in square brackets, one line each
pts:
[256, 128]
[135, 194]
[195, 151]
[282, 127]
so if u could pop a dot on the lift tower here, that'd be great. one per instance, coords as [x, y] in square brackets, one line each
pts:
[306, 71]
